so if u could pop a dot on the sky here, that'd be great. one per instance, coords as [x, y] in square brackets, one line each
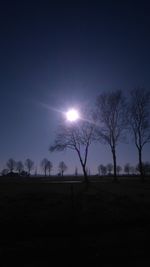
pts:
[55, 55]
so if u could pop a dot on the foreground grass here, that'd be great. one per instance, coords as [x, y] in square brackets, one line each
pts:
[107, 223]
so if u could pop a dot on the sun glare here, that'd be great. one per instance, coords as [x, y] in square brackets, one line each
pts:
[72, 115]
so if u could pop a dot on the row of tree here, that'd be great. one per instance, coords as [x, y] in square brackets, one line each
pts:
[114, 118]
[47, 166]
[128, 169]
[28, 166]
[18, 166]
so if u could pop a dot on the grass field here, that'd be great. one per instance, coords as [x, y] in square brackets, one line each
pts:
[45, 223]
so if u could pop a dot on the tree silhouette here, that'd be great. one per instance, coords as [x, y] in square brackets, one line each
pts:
[76, 136]
[44, 165]
[127, 168]
[111, 119]
[49, 167]
[146, 167]
[11, 164]
[102, 170]
[19, 167]
[62, 167]
[139, 121]
[109, 168]
[29, 165]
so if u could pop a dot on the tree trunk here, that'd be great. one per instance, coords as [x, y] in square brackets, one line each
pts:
[85, 174]
[141, 165]
[115, 164]
[83, 164]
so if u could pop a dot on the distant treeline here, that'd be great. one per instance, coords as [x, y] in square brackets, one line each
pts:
[46, 167]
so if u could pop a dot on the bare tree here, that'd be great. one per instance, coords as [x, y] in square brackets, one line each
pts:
[78, 137]
[139, 121]
[49, 167]
[19, 166]
[109, 168]
[44, 165]
[11, 164]
[146, 167]
[102, 170]
[127, 168]
[111, 120]
[62, 167]
[29, 165]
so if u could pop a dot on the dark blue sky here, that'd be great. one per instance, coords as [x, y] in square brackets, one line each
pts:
[65, 54]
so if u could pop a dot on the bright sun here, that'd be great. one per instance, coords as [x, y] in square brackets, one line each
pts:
[72, 115]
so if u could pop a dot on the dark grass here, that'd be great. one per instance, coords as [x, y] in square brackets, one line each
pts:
[47, 224]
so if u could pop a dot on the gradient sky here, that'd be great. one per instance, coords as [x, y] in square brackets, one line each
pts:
[64, 54]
